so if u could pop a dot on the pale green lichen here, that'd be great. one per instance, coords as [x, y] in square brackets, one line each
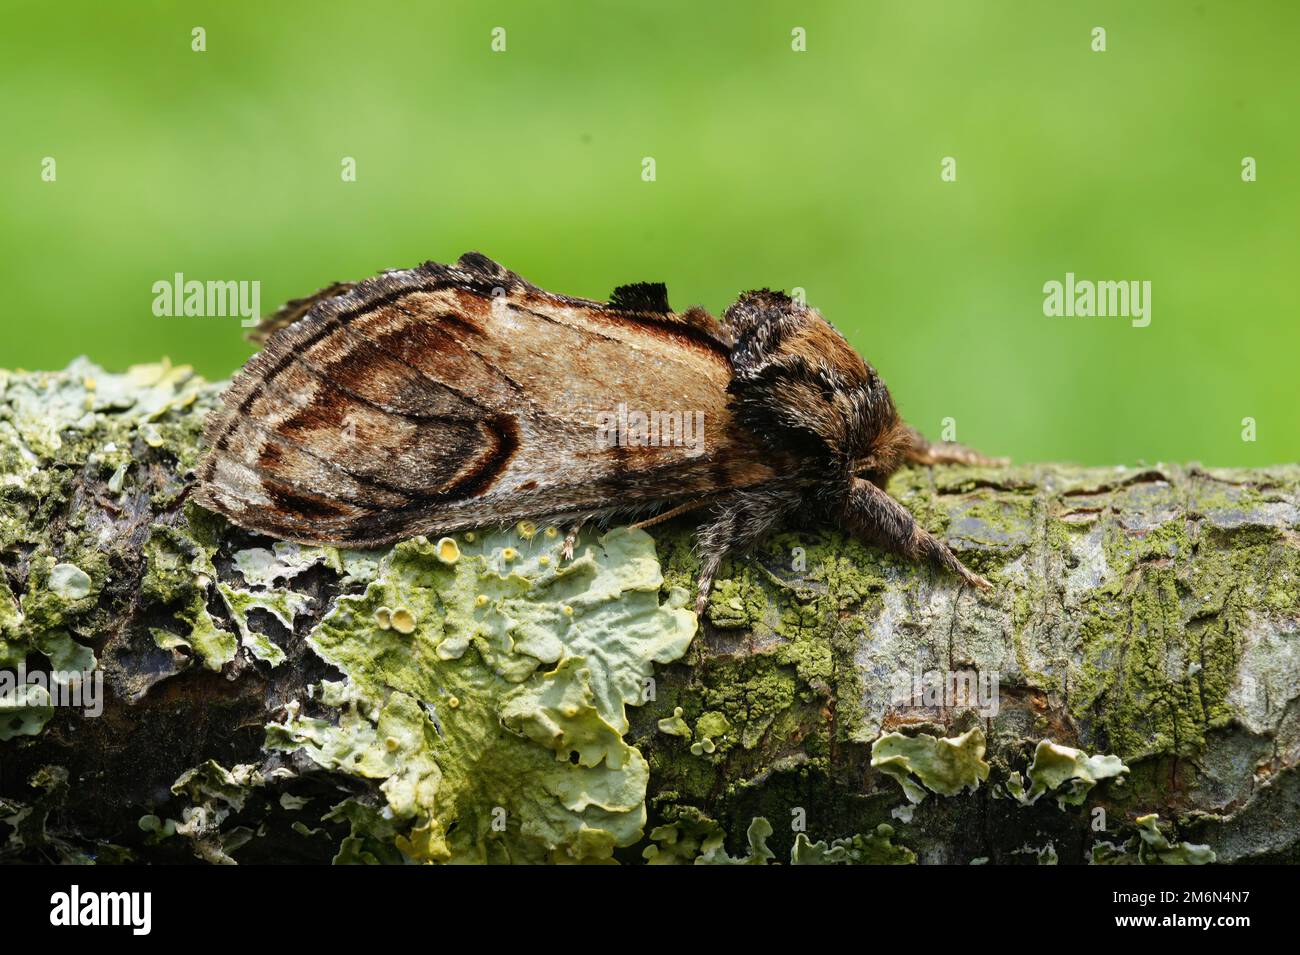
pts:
[156, 829]
[1156, 849]
[179, 573]
[1069, 772]
[283, 605]
[695, 839]
[212, 784]
[28, 821]
[759, 831]
[712, 725]
[210, 794]
[674, 725]
[944, 765]
[12, 640]
[683, 841]
[531, 761]
[874, 849]
[24, 710]
[1043, 855]
[69, 582]
[283, 561]
[213, 645]
[1150, 846]
[67, 657]
[58, 595]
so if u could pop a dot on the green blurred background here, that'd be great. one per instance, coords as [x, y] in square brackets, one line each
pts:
[817, 169]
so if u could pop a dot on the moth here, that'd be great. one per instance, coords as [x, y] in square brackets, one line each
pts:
[443, 398]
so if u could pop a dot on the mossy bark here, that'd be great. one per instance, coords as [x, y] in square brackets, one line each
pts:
[1151, 615]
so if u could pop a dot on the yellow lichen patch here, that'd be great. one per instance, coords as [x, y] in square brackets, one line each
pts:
[470, 537]
[509, 553]
[567, 610]
[453, 701]
[552, 532]
[383, 618]
[544, 561]
[449, 550]
[674, 725]
[481, 600]
[403, 620]
[526, 529]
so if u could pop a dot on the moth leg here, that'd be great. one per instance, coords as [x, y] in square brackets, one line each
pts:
[922, 451]
[670, 513]
[877, 518]
[570, 539]
[740, 522]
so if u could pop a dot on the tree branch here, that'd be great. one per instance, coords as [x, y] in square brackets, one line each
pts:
[477, 699]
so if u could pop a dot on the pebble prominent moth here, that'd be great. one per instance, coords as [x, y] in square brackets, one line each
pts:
[443, 398]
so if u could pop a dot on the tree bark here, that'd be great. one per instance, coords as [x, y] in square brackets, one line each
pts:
[1127, 691]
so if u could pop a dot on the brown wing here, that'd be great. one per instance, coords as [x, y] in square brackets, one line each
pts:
[446, 397]
[291, 311]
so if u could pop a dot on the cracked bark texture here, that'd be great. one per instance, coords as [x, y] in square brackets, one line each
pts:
[1152, 614]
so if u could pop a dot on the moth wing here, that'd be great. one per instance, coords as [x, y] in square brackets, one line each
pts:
[291, 311]
[446, 397]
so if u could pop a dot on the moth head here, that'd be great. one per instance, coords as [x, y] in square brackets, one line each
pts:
[798, 386]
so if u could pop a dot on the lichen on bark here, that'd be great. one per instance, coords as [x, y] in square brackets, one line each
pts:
[474, 699]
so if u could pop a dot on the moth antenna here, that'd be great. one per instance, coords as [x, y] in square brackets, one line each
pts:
[669, 514]
[920, 450]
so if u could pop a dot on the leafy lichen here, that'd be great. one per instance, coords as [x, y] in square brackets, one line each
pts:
[1150, 846]
[944, 765]
[498, 726]
[876, 848]
[1069, 772]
